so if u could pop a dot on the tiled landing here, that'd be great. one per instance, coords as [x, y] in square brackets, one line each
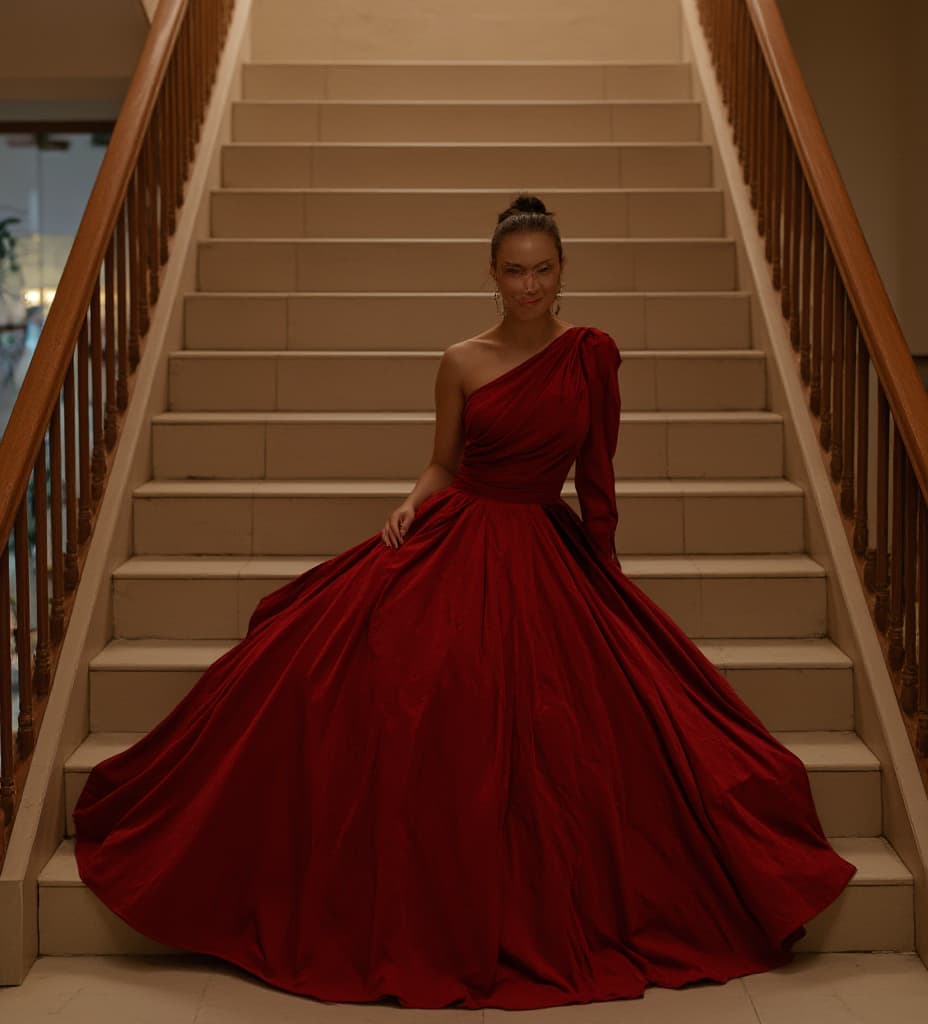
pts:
[829, 988]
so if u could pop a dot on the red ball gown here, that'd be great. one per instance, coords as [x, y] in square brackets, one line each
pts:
[479, 770]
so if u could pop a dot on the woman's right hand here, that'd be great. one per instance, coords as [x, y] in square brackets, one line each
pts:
[397, 525]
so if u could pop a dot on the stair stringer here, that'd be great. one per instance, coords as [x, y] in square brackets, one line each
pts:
[40, 822]
[878, 720]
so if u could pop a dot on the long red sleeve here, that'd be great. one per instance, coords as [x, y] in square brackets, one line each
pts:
[594, 474]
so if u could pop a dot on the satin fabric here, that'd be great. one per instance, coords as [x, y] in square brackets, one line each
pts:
[479, 770]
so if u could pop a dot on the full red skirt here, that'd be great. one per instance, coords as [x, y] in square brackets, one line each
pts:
[483, 769]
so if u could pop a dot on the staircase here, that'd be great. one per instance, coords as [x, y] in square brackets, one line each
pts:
[349, 246]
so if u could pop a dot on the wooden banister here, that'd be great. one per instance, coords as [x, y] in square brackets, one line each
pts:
[58, 444]
[841, 323]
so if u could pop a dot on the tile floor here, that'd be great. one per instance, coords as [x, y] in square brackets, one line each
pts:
[830, 988]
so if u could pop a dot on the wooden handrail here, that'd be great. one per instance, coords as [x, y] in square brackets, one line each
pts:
[892, 358]
[80, 374]
[840, 322]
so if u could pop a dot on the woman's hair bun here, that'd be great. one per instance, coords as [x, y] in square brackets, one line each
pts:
[523, 204]
[526, 212]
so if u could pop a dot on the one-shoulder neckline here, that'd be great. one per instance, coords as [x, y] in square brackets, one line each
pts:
[525, 362]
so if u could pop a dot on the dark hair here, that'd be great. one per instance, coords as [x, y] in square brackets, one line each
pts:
[525, 213]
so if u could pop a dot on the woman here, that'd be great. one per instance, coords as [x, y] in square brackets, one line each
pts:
[467, 762]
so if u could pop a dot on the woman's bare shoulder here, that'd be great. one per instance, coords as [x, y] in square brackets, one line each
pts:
[479, 344]
[462, 348]
[460, 356]
[458, 363]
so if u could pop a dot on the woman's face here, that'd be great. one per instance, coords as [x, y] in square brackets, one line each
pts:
[527, 273]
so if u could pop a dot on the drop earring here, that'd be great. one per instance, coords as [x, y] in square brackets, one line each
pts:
[496, 299]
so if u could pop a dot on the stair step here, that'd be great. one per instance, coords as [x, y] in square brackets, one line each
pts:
[466, 165]
[72, 921]
[845, 779]
[772, 597]
[794, 685]
[874, 912]
[442, 264]
[461, 120]
[459, 80]
[844, 775]
[430, 320]
[352, 445]
[424, 213]
[404, 381]
[285, 517]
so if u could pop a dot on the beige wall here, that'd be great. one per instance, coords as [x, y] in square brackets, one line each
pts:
[864, 63]
[467, 29]
[67, 60]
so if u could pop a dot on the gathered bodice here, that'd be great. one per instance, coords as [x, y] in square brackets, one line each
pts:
[525, 428]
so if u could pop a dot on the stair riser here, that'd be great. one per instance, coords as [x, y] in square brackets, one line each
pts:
[206, 609]
[375, 450]
[797, 699]
[484, 82]
[786, 699]
[398, 121]
[309, 264]
[449, 265]
[318, 382]
[429, 321]
[865, 918]
[338, 214]
[536, 167]
[296, 524]
[73, 921]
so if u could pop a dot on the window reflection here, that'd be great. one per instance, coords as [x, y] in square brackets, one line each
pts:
[45, 182]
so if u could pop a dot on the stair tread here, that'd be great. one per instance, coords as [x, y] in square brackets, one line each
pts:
[450, 190]
[421, 144]
[877, 862]
[276, 416]
[298, 488]
[651, 566]
[121, 654]
[832, 751]
[599, 101]
[214, 241]
[702, 354]
[671, 293]
[373, 62]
